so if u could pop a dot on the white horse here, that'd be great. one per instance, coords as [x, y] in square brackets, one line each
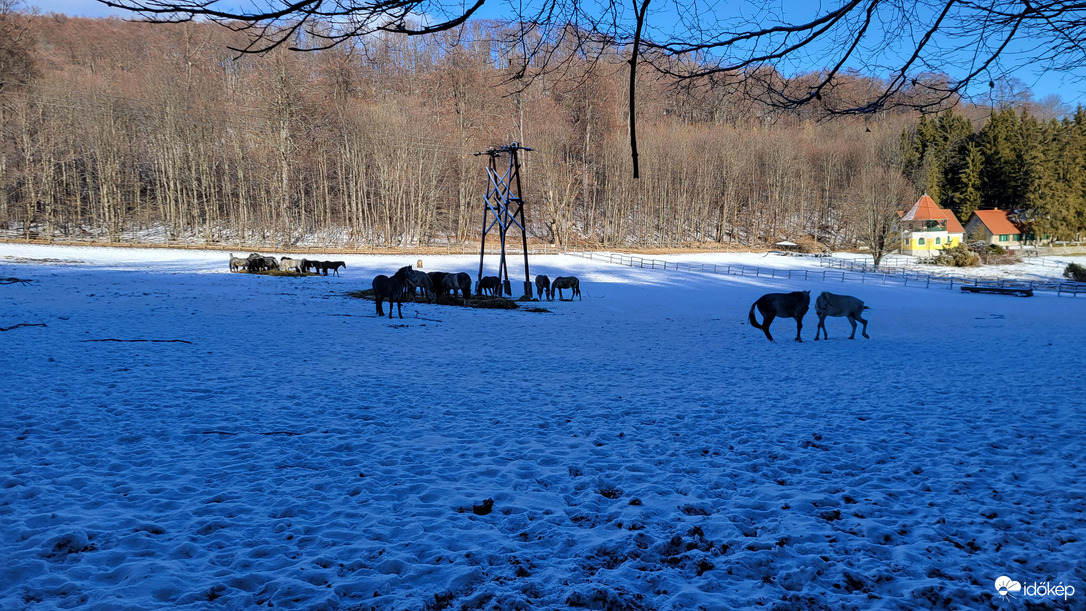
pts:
[829, 304]
[238, 264]
[291, 265]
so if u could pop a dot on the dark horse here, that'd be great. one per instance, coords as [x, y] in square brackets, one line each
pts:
[785, 305]
[391, 289]
[566, 282]
[543, 285]
[490, 285]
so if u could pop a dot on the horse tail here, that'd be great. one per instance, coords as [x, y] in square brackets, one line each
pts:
[866, 307]
[750, 317]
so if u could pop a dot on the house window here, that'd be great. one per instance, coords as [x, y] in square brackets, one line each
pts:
[920, 241]
[1017, 238]
[1003, 237]
[938, 240]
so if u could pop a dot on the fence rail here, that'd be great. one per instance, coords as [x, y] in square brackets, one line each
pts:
[839, 270]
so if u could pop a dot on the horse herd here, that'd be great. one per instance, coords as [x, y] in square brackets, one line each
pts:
[256, 262]
[406, 281]
[795, 305]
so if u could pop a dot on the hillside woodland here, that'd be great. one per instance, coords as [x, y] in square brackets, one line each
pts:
[115, 130]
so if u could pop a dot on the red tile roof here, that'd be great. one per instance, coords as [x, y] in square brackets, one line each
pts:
[997, 222]
[925, 209]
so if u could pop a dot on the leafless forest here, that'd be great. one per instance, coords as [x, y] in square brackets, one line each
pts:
[120, 131]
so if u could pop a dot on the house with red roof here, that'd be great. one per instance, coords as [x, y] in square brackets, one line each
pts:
[926, 229]
[993, 227]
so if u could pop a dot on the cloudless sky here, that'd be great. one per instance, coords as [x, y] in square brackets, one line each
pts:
[1070, 88]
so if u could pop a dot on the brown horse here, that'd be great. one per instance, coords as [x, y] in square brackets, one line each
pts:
[786, 305]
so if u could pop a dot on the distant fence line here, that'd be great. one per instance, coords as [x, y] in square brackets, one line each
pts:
[837, 270]
[433, 249]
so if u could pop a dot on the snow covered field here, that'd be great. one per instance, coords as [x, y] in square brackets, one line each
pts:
[643, 448]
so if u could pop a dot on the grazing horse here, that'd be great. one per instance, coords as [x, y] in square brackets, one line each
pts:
[785, 305]
[391, 290]
[258, 262]
[566, 282]
[490, 285]
[543, 285]
[457, 282]
[464, 281]
[238, 264]
[290, 265]
[422, 281]
[449, 285]
[829, 304]
[438, 280]
[334, 266]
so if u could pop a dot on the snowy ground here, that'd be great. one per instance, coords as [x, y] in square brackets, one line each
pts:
[644, 448]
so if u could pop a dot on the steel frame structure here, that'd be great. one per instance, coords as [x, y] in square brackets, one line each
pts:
[504, 208]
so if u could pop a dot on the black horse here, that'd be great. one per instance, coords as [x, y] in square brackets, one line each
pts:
[391, 290]
[566, 282]
[786, 305]
[489, 285]
[543, 285]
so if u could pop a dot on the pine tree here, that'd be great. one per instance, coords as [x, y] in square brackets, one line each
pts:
[1038, 208]
[966, 197]
[999, 142]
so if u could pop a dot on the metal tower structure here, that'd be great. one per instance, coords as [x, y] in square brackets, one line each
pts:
[504, 208]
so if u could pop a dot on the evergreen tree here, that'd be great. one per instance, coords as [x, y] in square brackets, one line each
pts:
[1038, 209]
[965, 197]
[999, 142]
[936, 151]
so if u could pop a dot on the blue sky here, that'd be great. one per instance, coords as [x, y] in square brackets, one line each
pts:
[1071, 89]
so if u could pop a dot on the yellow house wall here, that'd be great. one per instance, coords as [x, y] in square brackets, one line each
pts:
[911, 242]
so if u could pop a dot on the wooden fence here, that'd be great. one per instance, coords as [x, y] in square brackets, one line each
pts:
[839, 270]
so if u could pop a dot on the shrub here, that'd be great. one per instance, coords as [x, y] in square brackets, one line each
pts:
[1075, 272]
[958, 256]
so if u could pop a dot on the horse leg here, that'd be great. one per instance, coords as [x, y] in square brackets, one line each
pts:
[799, 327]
[861, 319]
[822, 326]
[768, 318]
[399, 309]
[852, 321]
[380, 312]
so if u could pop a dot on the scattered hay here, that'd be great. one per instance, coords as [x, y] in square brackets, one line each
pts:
[277, 272]
[490, 303]
[484, 302]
